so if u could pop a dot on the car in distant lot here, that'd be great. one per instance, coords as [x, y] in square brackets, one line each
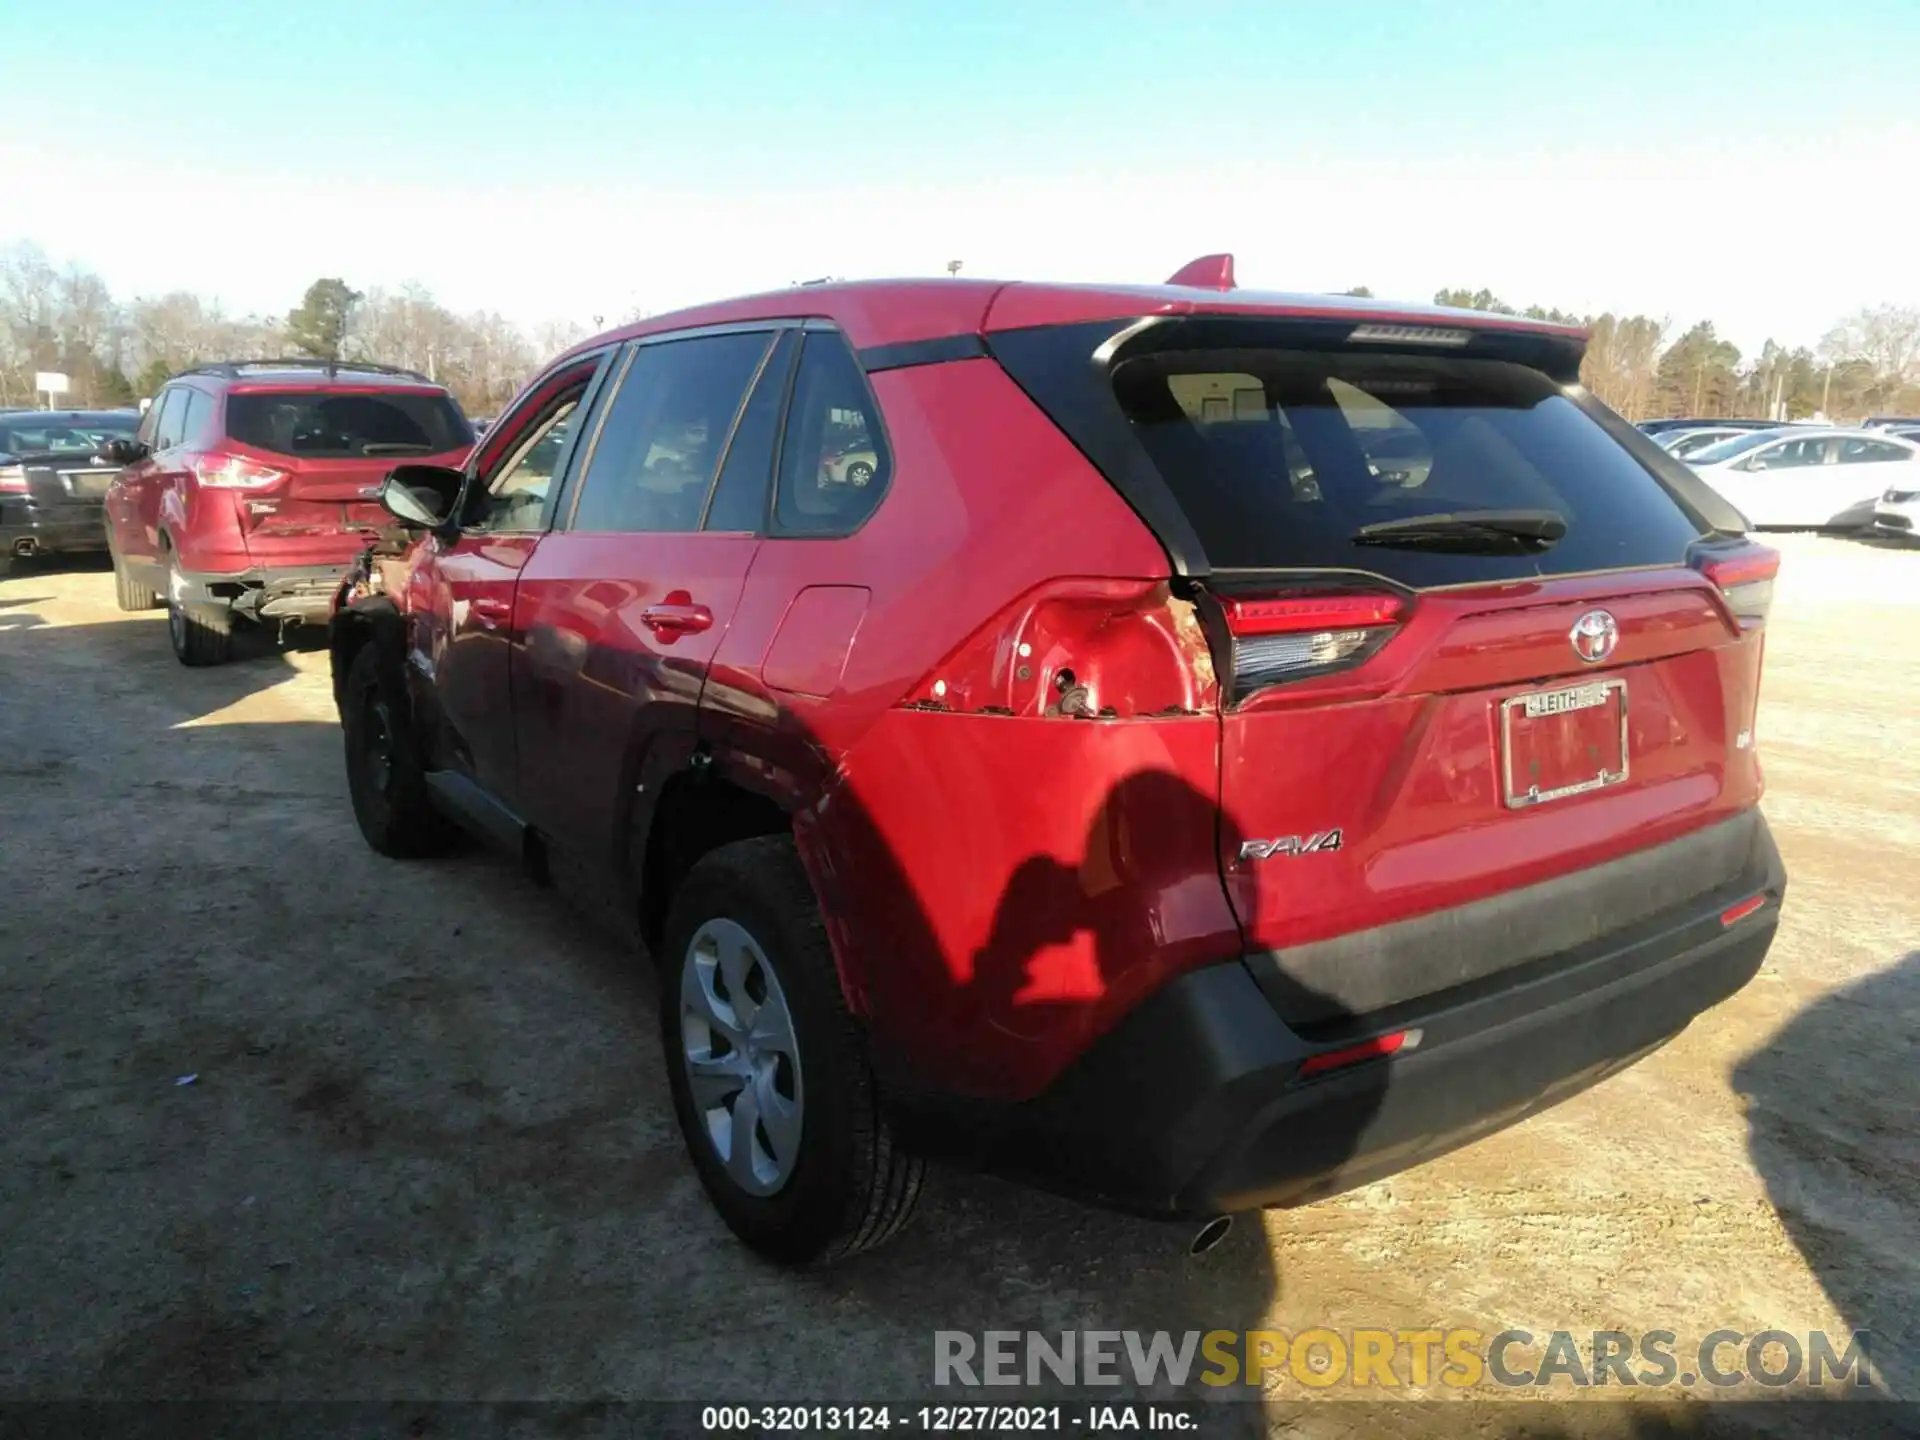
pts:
[1154, 780]
[1890, 422]
[1682, 443]
[1896, 511]
[250, 487]
[1658, 427]
[54, 476]
[1800, 478]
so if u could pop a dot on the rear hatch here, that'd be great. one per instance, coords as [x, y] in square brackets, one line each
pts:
[307, 462]
[1474, 636]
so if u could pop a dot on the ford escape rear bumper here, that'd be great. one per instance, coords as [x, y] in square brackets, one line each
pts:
[1197, 1104]
[293, 592]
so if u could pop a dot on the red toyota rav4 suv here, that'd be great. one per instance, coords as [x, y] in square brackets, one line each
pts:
[1232, 746]
[251, 487]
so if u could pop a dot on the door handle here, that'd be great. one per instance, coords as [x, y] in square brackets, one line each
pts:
[668, 620]
[490, 612]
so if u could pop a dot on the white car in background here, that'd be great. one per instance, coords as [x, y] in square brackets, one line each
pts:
[1802, 478]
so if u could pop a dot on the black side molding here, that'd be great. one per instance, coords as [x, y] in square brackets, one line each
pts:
[476, 809]
[937, 351]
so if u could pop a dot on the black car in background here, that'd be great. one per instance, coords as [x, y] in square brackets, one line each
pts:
[53, 477]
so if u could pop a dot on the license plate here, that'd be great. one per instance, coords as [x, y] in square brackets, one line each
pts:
[1555, 743]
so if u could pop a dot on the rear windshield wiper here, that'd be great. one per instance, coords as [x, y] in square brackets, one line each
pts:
[1468, 532]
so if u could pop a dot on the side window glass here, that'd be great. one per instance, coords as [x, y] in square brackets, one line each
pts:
[193, 427]
[515, 497]
[657, 452]
[834, 463]
[1869, 452]
[172, 406]
[512, 489]
[1793, 455]
[739, 500]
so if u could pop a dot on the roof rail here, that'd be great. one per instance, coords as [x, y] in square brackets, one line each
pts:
[1209, 272]
[237, 369]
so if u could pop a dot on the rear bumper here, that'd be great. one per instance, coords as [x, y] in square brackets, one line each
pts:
[1195, 1105]
[80, 525]
[293, 592]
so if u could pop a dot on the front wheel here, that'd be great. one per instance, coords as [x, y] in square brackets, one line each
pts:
[771, 1084]
[385, 781]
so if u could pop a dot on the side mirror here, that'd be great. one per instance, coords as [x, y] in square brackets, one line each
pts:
[122, 451]
[421, 495]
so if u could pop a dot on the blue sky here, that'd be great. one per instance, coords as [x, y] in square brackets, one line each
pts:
[579, 157]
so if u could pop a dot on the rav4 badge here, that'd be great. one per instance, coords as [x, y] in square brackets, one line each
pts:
[1290, 846]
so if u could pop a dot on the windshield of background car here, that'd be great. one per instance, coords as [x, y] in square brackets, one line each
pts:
[1732, 447]
[22, 435]
[1278, 456]
[339, 425]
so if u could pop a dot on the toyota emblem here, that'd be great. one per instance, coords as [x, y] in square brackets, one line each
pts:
[1594, 635]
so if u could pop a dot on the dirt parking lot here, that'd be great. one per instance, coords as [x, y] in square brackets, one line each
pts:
[428, 1152]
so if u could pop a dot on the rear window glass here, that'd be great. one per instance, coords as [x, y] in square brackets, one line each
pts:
[336, 425]
[1277, 457]
[68, 435]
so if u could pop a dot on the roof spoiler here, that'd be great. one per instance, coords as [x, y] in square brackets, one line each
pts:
[1209, 272]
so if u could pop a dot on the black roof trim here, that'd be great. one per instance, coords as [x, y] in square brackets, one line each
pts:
[236, 369]
[937, 351]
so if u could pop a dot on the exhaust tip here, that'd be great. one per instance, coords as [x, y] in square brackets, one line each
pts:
[1211, 1234]
[26, 548]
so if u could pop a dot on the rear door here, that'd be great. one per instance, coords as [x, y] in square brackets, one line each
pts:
[333, 446]
[1419, 716]
[622, 607]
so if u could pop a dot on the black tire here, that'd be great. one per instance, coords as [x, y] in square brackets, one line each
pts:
[851, 1186]
[129, 594]
[385, 781]
[200, 634]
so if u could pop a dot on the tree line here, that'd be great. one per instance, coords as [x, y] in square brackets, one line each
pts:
[116, 351]
[1867, 363]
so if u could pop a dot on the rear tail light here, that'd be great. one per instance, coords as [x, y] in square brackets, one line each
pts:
[1745, 577]
[235, 472]
[1292, 637]
[1080, 649]
[13, 480]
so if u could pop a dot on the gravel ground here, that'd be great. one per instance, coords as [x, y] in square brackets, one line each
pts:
[429, 1155]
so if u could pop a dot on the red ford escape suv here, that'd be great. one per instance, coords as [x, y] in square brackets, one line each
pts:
[251, 487]
[1231, 747]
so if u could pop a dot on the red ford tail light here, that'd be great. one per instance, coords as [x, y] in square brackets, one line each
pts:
[13, 480]
[235, 472]
[1277, 638]
[1745, 576]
